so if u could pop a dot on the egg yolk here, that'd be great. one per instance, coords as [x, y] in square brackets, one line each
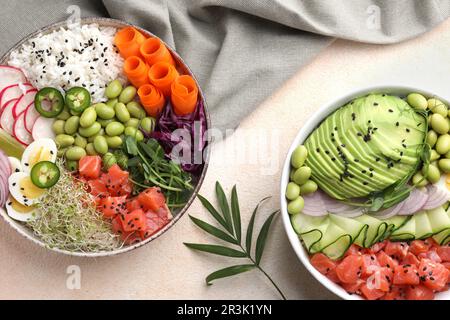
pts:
[29, 190]
[41, 154]
[19, 207]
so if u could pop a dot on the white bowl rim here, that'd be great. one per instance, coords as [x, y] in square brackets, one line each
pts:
[303, 133]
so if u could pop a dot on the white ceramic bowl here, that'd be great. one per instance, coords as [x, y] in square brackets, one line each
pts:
[304, 132]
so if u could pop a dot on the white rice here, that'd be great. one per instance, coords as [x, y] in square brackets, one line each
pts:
[75, 56]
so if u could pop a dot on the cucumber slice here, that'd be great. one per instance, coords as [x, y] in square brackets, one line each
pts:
[405, 232]
[439, 219]
[423, 226]
[335, 241]
[350, 225]
[394, 223]
[374, 231]
[310, 229]
[442, 237]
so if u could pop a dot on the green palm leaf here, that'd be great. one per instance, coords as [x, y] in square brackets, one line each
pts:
[228, 272]
[216, 249]
[213, 230]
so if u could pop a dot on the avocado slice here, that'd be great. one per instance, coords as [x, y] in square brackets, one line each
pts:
[365, 146]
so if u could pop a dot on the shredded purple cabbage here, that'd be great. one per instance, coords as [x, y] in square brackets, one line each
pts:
[168, 122]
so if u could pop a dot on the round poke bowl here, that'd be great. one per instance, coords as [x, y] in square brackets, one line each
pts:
[363, 263]
[90, 112]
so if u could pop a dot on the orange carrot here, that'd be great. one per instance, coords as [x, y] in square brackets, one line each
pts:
[151, 99]
[136, 71]
[153, 50]
[184, 95]
[128, 40]
[161, 75]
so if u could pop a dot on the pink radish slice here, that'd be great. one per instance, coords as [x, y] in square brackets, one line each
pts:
[31, 115]
[14, 91]
[7, 118]
[20, 133]
[10, 75]
[43, 128]
[23, 102]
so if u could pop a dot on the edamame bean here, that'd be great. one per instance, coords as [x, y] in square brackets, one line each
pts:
[114, 142]
[437, 106]
[444, 165]
[72, 124]
[419, 180]
[122, 112]
[80, 141]
[114, 129]
[64, 140]
[302, 175]
[64, 115]
[100, 133]
[148, 124]
[75, 153]
[133, 132]
[431, 138]
[90, 131]
[61, 152]
[443, 144]
[112, 102]
[439, 124]
[299, 156]
[88, 117]
[417, 101]
[292, 191]
[136, 110]
[308, 187]
[133, 122]
[447, 155]
[109, 160]
[432, 173]
[58, 127]
[100, 144]
[90, 150]
[72, 165]
[104, 122]
[103, 111]
[296, 206]
[113, 89]
[434, 155]
[127, 94]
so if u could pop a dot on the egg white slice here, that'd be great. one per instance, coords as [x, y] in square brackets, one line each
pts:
[40, 150]
[16, 166]
[18, 211]
[23, 190]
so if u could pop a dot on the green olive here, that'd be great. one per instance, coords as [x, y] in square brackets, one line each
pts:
[127, 94]
[302, 175]
[75, 153]
[432, 173]
[122, 112]
[114, 142]
[437, 106]
[136, 110]
[292, 191]
[88, 117]
[114, 129]
[103, 111]
[64, 140]
[308, 187]
[443, 144]
[299, 156]
[90, 131]
[431, 138]
[439, 123]
[58, 127]
[113, 89]
[72, 124]
[296, 206]
[417, 101]
[100, 144]
[444, 165]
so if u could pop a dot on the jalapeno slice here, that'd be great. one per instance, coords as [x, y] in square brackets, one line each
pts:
[49, 102]
[78, 99]
[44, 174]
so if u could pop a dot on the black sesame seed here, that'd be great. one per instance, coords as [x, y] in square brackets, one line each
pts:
[390, 110]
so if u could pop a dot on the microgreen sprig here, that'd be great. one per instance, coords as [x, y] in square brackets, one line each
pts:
[229, 218]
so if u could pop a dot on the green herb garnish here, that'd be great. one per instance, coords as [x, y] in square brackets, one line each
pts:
[230, 220]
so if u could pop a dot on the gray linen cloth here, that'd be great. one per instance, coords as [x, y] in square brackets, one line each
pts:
[241, 50]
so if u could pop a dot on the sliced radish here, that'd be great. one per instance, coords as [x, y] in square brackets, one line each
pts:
[7, 118]
[19, 131]
[31, 115]
[10, 75]
[23, 102]
[14, 91]
[43, 128]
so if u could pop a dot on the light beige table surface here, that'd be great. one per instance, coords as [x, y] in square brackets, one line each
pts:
[165, 268]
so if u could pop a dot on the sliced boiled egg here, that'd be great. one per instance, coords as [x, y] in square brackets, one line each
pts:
[16, 166]
[40, 150]
[23, 189]
[18, 211]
